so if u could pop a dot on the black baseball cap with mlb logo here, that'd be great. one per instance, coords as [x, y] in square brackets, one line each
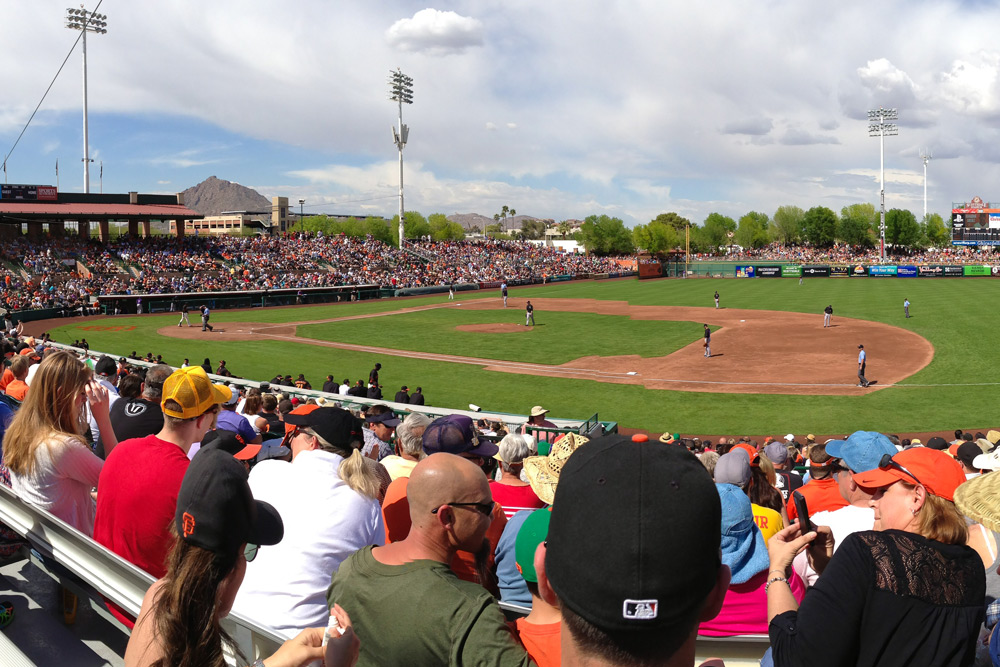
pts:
[633, 541]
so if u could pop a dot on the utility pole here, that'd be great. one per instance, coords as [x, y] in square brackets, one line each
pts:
[84, 21]
[877, 127]
[401, 92]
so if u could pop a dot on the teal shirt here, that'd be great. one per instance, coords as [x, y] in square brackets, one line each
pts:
[420, 613]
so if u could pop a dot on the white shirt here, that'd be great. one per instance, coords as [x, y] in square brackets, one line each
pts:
[343, 389]
[842, 522]
[65, 472]
[325, 522]
[95, 431]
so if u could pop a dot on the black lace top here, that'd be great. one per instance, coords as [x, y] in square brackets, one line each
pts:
[887, 598]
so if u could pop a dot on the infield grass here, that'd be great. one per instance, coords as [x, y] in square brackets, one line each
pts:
[959, 389]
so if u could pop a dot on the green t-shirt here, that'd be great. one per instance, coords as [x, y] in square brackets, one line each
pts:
[420, 613]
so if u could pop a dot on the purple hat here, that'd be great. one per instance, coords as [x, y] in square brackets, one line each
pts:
[455, 434]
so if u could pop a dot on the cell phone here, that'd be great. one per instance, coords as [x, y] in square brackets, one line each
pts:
[802, 510]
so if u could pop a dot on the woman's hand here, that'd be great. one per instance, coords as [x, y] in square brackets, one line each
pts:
[300, 650]
[785, 545]
[97, 396]
[343, 650]
[820, 551]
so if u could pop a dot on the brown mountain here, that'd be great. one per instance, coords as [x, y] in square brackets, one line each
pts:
[214, 195]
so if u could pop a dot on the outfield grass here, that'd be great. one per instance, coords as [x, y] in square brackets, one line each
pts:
[958, 389]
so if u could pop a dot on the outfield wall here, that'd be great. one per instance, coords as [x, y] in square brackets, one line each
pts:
[651, 268]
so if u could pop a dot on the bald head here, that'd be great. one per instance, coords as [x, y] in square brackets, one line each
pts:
[440, 479]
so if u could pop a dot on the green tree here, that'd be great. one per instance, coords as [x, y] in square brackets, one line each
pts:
[533, 229]
[819, 226]
[655, 237]
[414, 226]
[443, 229]
[752, 230]
[673, 220]
[604, 235]
[715, 232]
[857, 225]
[787, 225]
[902, 228]
[502, 216]
[496, 228]
[935, 231]
[378, 228]
[564, 228]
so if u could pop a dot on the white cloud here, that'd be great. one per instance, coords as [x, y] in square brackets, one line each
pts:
[435, 33]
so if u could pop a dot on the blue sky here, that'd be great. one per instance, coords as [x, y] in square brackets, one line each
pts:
[558, 110]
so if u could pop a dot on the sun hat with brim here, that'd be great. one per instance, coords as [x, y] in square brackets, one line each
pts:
[532, 532]
[989, 461]
[668, 438]
[862, 450]
[979, 499]
[934, 470]
[216, 509]
[192, 389]
[543, 471]
[537, 411]
[743, 547]
[993, 436]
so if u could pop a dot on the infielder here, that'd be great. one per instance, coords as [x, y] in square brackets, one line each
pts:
[529, 315]
[906, 308]
[827, 315]
[708, 342]
[184, 316]
[862, 358]
[716, 299]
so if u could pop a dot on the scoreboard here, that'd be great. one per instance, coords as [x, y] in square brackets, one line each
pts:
[28, 193]
[975, 223]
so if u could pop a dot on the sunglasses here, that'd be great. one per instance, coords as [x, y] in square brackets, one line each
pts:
[887, 462]
[250, 551]
[486, 509]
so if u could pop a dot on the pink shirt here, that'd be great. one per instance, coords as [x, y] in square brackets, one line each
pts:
[515, 498]
[744, 611]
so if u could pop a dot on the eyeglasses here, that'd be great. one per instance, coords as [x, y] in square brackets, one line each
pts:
[250, 551]
[888, 462]
[485, 509]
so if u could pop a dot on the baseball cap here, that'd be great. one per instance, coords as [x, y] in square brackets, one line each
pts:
[235, 398]
[934, 470]
[273, 449]
[386, 418]
[455, 434]
[105, 366]
[538, 410]
[216, 509]
[335, 425]
[988, 461]
[862, 450]
[790, 437]
[638, 499]
[193, 391]
[776, 452]
[937, 442]
[231, 443]
[733, 468]
[532, 532]
[967, 453]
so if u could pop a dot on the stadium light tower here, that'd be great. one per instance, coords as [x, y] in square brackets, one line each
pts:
[84, 21]
[877, 127]
[401, 92]
[926, 157]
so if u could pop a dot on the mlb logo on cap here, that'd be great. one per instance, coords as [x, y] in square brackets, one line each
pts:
[640, 609]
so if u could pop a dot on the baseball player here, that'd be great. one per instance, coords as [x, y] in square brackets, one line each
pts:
[906, 308]
[503, 292]
[827, 315]
[184, 316]
[708, 342]
[716, 299]
[529, 315]
[862, 359]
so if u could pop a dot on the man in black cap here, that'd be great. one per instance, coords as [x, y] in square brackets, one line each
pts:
[629, 592]
[403, 395]
[381, 423]
[417, 397]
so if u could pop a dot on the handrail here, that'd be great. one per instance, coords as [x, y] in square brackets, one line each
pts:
[108, 574]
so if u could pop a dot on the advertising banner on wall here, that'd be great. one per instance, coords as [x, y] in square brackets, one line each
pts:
[744, 272]
[858, 270]
[906, 271]
[976, 271]
[816, 271]
[791, 271]
[882, 270]
[767, 271]
[650, 267]
[839, 271]
[952, 271]
[931, 271]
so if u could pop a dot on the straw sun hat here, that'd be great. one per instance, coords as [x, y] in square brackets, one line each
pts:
[977, 499]
[543, 471]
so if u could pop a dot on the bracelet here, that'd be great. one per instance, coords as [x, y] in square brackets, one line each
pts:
[773, 580]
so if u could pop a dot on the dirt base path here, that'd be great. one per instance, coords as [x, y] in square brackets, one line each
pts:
[753, 351]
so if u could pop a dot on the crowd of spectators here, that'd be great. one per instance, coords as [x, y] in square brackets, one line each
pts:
[841, 253]
[437, 519]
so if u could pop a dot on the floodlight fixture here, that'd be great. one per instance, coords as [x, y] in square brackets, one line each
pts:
[84, 21]
[400, 92]
[877, 127]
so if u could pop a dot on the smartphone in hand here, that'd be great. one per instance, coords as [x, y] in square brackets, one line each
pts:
[802, 510]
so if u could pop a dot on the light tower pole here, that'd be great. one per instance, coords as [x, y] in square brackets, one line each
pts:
[877, 127]
[401, 92]
[926, 157]
[302, 205]
[84, 21]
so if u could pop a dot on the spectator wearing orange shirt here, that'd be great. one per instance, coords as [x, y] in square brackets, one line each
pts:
[821, 491]
[18, 388]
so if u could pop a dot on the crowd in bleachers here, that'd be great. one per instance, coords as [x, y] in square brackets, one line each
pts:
[619, 550]
[841, 253]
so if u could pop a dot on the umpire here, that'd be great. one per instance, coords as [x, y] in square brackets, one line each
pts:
[862, 358]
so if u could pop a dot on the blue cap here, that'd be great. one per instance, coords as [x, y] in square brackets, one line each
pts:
[862, 450]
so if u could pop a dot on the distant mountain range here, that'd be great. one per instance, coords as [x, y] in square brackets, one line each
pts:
[214, 196]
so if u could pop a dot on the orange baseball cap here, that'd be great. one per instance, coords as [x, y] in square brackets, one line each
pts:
[931, 468]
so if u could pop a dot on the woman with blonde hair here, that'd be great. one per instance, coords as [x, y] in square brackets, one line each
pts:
[50, 464]
[909, 593]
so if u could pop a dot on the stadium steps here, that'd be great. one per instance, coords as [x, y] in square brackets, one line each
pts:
[421, 254]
